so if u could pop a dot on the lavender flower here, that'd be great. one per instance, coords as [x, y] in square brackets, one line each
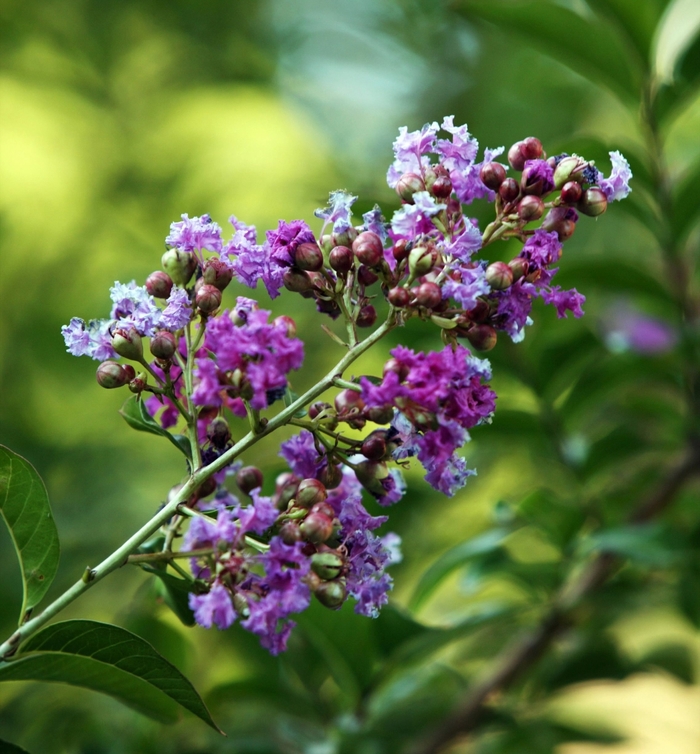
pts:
[338, 211]
[617, 187]
[195, 234]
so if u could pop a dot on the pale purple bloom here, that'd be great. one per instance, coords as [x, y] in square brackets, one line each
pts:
[539, 172]
[513, 311]
[243, 255]
[338, 211]
[617, 186]
[177, 312]
[564, 301]
[463, 245]
[134, 307]
[468, 288]
[279, 249]
[394, 488]
[374, 221]
[459, 153]
[541, 250]
[301, 454]
[257, 517]
[195, 234]
[446, 471]
[410, 149]
[414, 219]
[89, 339]
[214, 607]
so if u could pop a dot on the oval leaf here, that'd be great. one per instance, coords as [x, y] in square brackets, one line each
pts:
[136, 415]
[109, 659]
[8, 748]
[24, 505]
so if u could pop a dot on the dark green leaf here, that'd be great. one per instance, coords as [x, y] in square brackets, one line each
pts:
[175, 593]
[560, 521]
[289, 397]
[136, 416]
[589, 47]
[676, 659]
[597, 658]
[109, 659]
[689, 591]
[455, 558]
[686, 207]
[636, 19]
[24, 505]
[8, 748]
[643, 543]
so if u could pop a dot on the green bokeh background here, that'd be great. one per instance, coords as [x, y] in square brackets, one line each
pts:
[119, 116]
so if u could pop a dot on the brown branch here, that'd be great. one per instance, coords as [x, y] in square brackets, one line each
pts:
[527, 650]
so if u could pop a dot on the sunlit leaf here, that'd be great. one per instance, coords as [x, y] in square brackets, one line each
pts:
[136, 416]
[108, 659]
[674, 35]
[175, 593]
[686, 207]
[637, 19]
[24, 505]
[560, 521]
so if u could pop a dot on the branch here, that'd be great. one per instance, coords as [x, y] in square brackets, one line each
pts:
[526, 651]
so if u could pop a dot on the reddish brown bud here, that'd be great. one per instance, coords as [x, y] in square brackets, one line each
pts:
[218, 434]
[519, 267]
[217, 273]
[205, 488]
[163, 345]
[290, 533]
[345, 238]
[309, 492]
[428, 295]
[331, 476]
[249, 478]
[509, 190]
[285, 488]
[366, 276]
[399, 297]
[492, 175]
[111, 374]
[571, 192]
[480, 312]
[380, 414]
[367, 316]
[138, 383]
[401, 250]
[374, 446]
[408, 185]
[341, 259]
[499, 276]
[368, 248]
[482, 337]
[531, 148]
[592, 203]
[208, 299]
[288, 323]
[317, 528]
[297, 281]
[442, 187]
[348, 400]
[308, 256]
[159, 284]
[530, 208]
[515, 156]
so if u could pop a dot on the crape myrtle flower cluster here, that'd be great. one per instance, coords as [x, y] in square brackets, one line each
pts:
[259, 558]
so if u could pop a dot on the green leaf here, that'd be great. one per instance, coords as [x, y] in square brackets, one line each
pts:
[8, 748]
[689, 591]
[588, 47]
[24, 505]
[111, 660]
[175, 592]
[289, 397]
[676, 659]
[686, 207]
[559, 521]
[453, 559]
[136, 416]
[636, 19]
[643, 543]
[674, 36]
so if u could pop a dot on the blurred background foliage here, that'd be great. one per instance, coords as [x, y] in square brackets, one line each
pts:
[119, 116]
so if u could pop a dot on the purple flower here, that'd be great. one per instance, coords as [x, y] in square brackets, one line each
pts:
[338, 211]
[410, 149]
[257, 517]
[302, 456]
[513, 310]
[134, 307]
[177, 312]
[279, 251]
[214, 607]
[539, 173]
[541, 250]
[446, 471]
[414, 219]
[564, 301]
[243, 255]
[195, 234]
[462, 245]
[394, 488]
[374, 221]
[471, 284]
[617, 186]
[91, 339]
[459, 153]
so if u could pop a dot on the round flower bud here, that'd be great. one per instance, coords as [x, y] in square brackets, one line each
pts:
[327, 565]
[408, 185]
[309, 492]
[163, 345]
[308, 256]
[442, 187]
[380, 414]
[180, 265]
[367, 316]
[571, 192]
[127, 343]
[290, 533]
[399, 297]
[370, 475]
[592, 203]
[492, 175]
[516, 158]
[159, 284]
[348, 400]
[345, 238]
[331, 476]
[138, 383]
[288, 323]
[374, 446]
[509, 190]
[530, 208]
[208, 299]
[324, 508]
[531, 148]
[216, 273]
[480, 312]
[569, 169]
[401, 250]
[499, 276]
[400, 369]
[341, 259]
[420, 261]
[297, 281]
[366, 276]
[249, 478]
[285, 488]
[368, 248]
[331, 594]
[320, 407]
[428, 295]
[482, 337]
[519, 268]
[205, 488]
[218, 434]
[111, 374]
[317, 528]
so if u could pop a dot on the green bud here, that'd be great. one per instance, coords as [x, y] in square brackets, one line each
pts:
[180, 265]
[327, 565]
[331, 594]
[127, 343]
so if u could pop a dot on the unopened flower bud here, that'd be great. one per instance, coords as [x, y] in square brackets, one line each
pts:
[592, 203]
[285, 488]
[138, 383]
[240, 605]
[345, 238]
[327, 565]
[368, 248]
[217, 273]
[366, 276]
[310, 492]
[401, 250]
[317, 528]
[530, 208]
[408, 185]
[374, 446]
[519, 268]
[347, 401]
[297, 281]
[571, 192]
[420, 261]
[249, 478]
[111, 374]
[288, 323]
[380, 414]
[499, 276]
[442, 187]
[516, 158]
[481, 312]
[308, 256]
[482, 337]
[180, 265]
[509, 190]
[367, 316]
[290, 533]
[208, 298]
[370, 475]
[341, 259]
[428, 295]
[159, 284]
[492, 175]
[127, 343]
[163, 345]
[400, 369]
[331, 594]
[569, 169]
[331, 476]
[205, 488]
[531, 148]
[219, 434]
[399, 297]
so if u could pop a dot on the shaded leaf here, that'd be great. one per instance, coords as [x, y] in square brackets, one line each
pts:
[597, 658]
[108, 659]
[676, 659]
[637, 20]
[675, 34]
[8, 748]
[24, 505]
[175, 593]
[558, 520]
[644, 543]
[689, 591]
[136, 416]
[686, 207]
[289, 397]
